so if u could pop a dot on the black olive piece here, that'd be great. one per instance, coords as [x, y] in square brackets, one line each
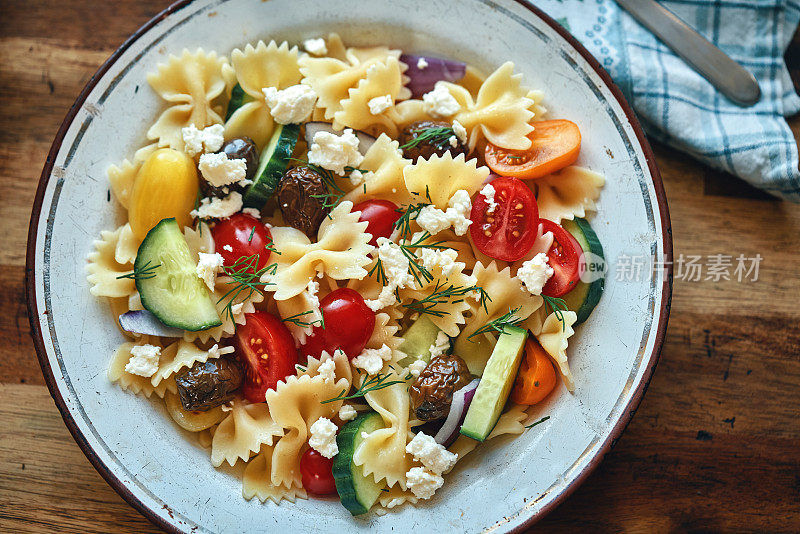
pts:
[237, 148]
[425, 149]
[301, 196]
[432, 392]
[208, 384]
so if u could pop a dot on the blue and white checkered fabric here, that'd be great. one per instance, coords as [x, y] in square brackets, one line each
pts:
[677, 106]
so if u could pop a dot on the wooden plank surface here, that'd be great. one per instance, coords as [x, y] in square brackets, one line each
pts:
[714, 446]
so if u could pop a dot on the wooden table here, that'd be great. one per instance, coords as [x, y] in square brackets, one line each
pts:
[715, 445]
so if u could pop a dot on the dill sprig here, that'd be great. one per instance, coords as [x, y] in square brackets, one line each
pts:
[557, 306]
[499, 324]
[417, 270]
[403, 224]
[442, 294]
[540, 421]
[434, 135]
[145, 273]
[371, 383]
[247, 279]
[271, 247]
[296, 320]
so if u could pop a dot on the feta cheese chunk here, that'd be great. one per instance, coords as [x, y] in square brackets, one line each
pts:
[253, 212]
[207, 268]
[347, 412]
[327, 370]
[416, 367]
[441, 260]
[209, 139]
[439, 103]
[434, 220]
[535, 272]
[432, 455]
[488, 193]
[315, 47]
[395, 267]
[379, 104]
[371, 360]
[219, 208]
[422, 483]
[227, 248]
[292, 105]
[323, 437]
[460, 132]
[422, 63]
[385, 298]
[335, 152]
[144, 360]
[440, 346]
[220, 171]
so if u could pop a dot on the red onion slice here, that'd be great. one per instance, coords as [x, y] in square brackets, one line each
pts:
[364, 140]
[434, 69]
[458, 411]
[144, 322]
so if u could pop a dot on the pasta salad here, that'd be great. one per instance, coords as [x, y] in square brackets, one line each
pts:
[347, 267]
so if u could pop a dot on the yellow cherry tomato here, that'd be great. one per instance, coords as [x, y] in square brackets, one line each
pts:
[166, 186]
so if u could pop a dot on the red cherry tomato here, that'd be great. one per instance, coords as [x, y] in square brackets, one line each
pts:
[244, 235]
[316, 471]
[266, 348]
[380, 216]
[565, 257]
[509, 231]
[348, 325]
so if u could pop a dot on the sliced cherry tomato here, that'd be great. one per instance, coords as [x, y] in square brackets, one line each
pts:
[554, 145]
[536, 377]
[266, 348]
[508, 232]
[348, 325]
[317, 473]
[380, 216]
[244, 235]
[565, 257]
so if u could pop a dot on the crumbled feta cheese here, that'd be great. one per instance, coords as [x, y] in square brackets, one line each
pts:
[315, 47]
[434, 220]
[432, 455]
[335, 152]
[422, 63]
[219, 208]
[439, 103]
[313, 290]
[440, 346]
[395, 267]
[422, 483]
[453, 140]
[488, 193]
[443, 260]
[144, 360]
[416, 367]
[534, 273]
[237, 309]
[385, 298]
[207, 268]
[364, 435]
[460, 131]
[209, 139]
[227, 248]
[356, 178]
[379, 104]
[219, 171]
[371, 360]
[323, 437]
[292, 105]
[216, 351]
[327, 370]
[227, 407]
[347, 412]
[253, 212]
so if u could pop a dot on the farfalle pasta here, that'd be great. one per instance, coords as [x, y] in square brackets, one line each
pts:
[336, 287]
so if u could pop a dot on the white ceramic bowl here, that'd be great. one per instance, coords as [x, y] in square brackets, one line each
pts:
[502, 486]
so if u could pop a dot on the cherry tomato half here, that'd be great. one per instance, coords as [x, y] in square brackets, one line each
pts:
[317, 473]
[565, 257]
[380, 216]
[509, 231]
[267, 351]
[244, 235]
[348, 325]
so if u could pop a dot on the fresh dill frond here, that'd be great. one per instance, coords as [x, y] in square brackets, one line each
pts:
[252, 233]
[540, 421]
[557, 306]
[381, 274]
[146, 272]
[271, 247]
[246, 279]
[371, 383]
[438, 136]
[499, 324]
[296, 320]
[442, 294]
[403, 224]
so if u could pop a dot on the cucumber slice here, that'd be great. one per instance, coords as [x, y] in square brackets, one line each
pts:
[418, 339]
[495, 386]
[271, 165]
[168, 283]
[238, 99]
[357, 492]
[584, 297]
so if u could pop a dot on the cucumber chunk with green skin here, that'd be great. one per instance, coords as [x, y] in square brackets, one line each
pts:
[496, 383]
[585, 296]
[356, 491]
[418, 339]
[167, 281]
[238, 99]
[272, 165]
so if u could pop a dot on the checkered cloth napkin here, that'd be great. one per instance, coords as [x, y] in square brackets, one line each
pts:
[679, 107]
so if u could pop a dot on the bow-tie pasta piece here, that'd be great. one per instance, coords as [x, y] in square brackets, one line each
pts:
[257, 480]
[131, 382]
[384, 162]
[121, 179]
[190, 83]
[554, 338]
[441, 176]
[567, 193]
[103, 269]
[243, 432]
